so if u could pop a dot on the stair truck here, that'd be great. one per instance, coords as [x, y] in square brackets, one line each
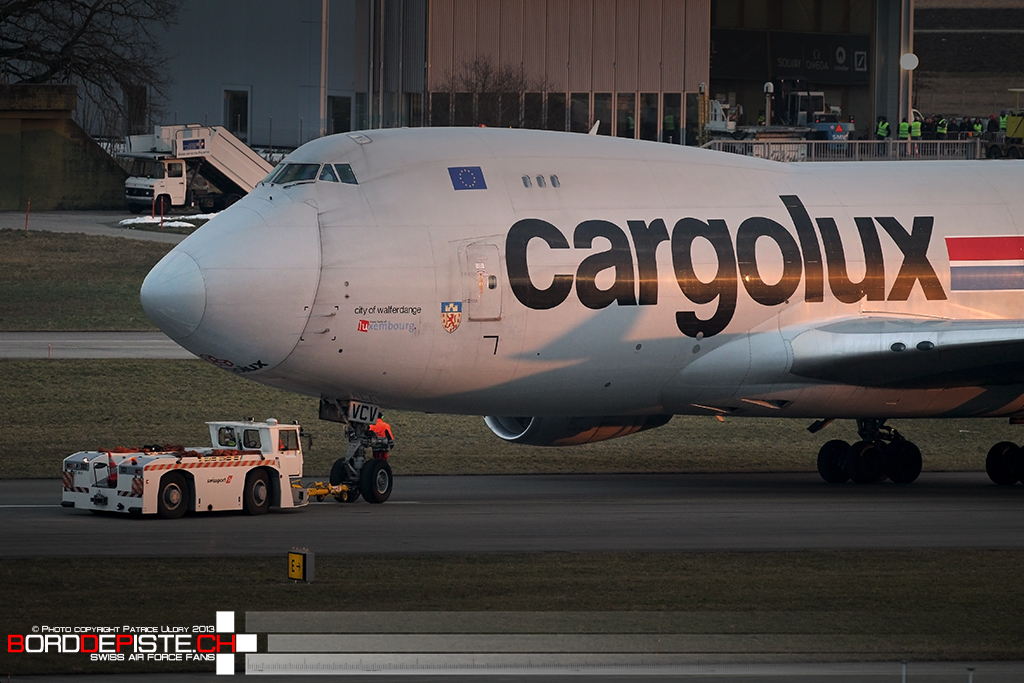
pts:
[189, 166]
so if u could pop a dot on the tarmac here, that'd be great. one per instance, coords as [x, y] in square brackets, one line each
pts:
[85, 222]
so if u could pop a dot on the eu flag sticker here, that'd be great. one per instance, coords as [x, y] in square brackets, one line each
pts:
[467, 178]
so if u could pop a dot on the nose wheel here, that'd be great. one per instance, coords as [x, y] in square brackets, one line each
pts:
[364, 469]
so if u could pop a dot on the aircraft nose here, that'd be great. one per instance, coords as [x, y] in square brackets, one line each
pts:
[238, 291]
[174, 295]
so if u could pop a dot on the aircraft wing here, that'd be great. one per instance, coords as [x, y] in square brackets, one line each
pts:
[911, 353]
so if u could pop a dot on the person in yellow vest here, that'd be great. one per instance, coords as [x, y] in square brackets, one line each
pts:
[882, 132]
[940, 128]
[904, 130]
[915, 130]
[978, 128]
[1002, 121]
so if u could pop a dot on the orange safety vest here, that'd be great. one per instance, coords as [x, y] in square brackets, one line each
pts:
[381, 429]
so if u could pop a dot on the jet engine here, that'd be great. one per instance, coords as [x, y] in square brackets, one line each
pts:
[570, 431]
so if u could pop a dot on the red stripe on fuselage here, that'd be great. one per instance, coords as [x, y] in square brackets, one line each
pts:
[998, 248]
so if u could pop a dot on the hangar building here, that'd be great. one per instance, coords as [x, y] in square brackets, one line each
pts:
[634, 65]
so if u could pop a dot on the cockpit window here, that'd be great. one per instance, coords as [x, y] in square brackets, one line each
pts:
[296, 173]
[277, 169]
[346, 175]
[328, 174]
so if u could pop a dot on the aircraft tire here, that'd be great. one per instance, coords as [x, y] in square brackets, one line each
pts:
[1005, 463]
[256, 496]
[172, 498]
[864, 464]
[337, 472]
[832, 461]
[375, 481]
[902, 461]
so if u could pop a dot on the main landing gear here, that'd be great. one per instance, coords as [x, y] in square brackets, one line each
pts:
[1005, 463]
[882, 453]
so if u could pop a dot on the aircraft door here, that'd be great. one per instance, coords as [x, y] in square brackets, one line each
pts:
[481, 281]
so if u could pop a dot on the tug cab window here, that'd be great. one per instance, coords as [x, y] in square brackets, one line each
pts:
[288, 440]
[251, 439]
[226, 437]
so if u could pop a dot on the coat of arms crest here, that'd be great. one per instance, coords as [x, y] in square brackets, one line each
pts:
[451, 315]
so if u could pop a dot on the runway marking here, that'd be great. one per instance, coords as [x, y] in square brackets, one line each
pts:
[29, 506]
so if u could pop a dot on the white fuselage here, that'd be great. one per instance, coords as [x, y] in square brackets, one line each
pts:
[506, 272]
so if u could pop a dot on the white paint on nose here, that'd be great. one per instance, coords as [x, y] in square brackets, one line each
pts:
[174, 295]
[238, 291]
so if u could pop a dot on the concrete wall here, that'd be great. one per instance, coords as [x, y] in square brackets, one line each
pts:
[46, 158]
[270, 49]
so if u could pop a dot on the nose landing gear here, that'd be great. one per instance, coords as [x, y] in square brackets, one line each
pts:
[364, 469]
[369, 476]
[882, 453]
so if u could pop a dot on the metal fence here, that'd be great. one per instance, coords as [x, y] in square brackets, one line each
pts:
[861, 150]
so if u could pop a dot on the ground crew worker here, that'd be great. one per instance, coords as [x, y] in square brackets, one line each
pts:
[383, 431]
[978, 128]
[882, 132]
[670, 129]
[1002, 121]
[915, 130]
[941, 128]
[904, 131]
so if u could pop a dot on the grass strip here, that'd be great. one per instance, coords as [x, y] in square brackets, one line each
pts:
[53, 408]
[916, 605]
[56, 282]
